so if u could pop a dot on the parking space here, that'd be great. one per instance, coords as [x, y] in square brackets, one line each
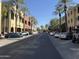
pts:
[66, 48]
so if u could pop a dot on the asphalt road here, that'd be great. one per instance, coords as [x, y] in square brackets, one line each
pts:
[36, 47]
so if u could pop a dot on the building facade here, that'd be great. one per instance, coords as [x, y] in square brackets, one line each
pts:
[11, 21]
[72, 17]
[0, 15]
[27, 23]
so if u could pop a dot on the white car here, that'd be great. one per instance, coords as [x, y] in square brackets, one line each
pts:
[25, 33]
[57, 35]
[2, 36]
[63, 35]
[52, 33]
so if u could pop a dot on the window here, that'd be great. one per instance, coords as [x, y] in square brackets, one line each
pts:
[22, 20]
[78, 9]
[75, 9]
[71, 20]
[25, 22]
[20, 17]
[71, 12]
[68, 21]
[68, 14]
[12, 15]
[29, 23]
[78, 17]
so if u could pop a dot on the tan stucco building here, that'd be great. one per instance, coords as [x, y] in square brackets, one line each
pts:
[13, 21]
[27, 23]
[0, 15]
[72, 17]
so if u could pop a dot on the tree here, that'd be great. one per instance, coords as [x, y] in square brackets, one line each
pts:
[6, 6]
[46, 26]
[54, 24]
[18, 4]
[33, 21]
[59, 11]
[65, 10]
[42, 27]
[24, 10]
[38, 29]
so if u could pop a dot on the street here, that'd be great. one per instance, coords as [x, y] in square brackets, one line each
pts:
[36, 47]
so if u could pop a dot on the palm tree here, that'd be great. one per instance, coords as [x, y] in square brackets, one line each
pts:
[42, 27]
[53, 24]
[5, 13]
[46, 26]
[65, 10]
[25, 11]
[18, 3]
[33, 21]
[59, 11]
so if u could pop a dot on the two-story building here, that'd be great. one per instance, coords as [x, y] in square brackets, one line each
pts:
[27, 23]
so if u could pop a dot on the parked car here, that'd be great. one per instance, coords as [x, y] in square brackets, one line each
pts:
[57, 35]
[2, 36]
[30, 32]
[76, 36]
[66, 36]
[12, 35]
[52, 33]
[19, 33]
[63, 35]
[25, 33]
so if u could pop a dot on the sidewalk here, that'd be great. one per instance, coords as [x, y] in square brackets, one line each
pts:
[4, 42]
[66, 48]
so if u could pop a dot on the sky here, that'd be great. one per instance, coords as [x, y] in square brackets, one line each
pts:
[42, 10]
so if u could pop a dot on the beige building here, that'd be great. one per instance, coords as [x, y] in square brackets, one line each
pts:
[13, 21]
[20, 21]
[27, 23]
[0, 15]
[77, 16]
[72, 17]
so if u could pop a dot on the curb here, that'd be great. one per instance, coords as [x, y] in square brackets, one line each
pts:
[13, 40]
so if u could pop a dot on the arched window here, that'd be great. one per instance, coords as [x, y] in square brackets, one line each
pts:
[25, 22]
[12, 14]
[29, 23]
[12, 29]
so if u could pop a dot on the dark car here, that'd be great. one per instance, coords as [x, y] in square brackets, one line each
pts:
[76, 36]
[12, 35]
[66, 36]
[69, 36]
